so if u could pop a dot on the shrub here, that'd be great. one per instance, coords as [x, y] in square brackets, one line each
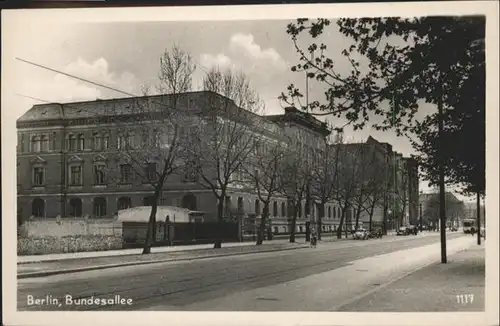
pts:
[67, 244]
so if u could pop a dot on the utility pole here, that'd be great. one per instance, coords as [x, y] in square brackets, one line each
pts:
[478, 204]
[421, 222]
[442, 198]
[484, 214]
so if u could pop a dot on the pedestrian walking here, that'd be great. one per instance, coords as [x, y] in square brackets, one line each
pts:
[314, 238]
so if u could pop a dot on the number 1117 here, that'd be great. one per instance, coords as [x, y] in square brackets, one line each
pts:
[465, 298]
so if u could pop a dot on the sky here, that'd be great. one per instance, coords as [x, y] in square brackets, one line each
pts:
[125, 55]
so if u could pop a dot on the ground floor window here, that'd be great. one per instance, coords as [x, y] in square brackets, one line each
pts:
[99, 207]
[124, 203]
[75, 207]
[38, 207]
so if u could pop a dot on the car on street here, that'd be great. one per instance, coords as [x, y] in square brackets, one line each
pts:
[402, 231]
[375, 233]
[412, 229]
[361, 234]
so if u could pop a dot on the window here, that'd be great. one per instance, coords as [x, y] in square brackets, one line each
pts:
[38, 208]
[150, 171]
[75, 207]
[54, 139]
[35, 144]
[156, 138]
[148, 201]
[97, 141]
[81, 142]
[275, 209]
[257, 207]
[72, 142]
[99, 175]
[75, 175]
[105, 141]
[145, 140]
[125, 173]
[334, 211]
[99, 207]
[38, 176]
[283, 209]
[44, 143]
[124, 203]
[121, 142]
[329, 212]
[130, 140]
[241, 207]
[191, 174]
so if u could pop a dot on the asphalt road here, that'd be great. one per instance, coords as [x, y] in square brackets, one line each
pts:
[176, 285]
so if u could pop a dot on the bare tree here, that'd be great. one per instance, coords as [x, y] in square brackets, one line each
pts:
[264, 170]
[377, 186]
[400, 196]
[153, 146]
[225, 139]
[295, 179]
[346, 179]
[363, 174]
[324, 176]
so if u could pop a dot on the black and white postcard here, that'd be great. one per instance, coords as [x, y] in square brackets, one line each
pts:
[251, 165]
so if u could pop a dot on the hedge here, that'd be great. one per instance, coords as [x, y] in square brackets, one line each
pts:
[56, 245]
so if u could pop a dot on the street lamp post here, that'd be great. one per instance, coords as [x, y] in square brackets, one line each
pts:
[421, 222]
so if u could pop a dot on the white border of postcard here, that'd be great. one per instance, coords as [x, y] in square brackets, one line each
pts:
[289, 12]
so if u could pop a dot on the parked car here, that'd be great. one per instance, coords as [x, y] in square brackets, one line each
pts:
[412, 229]
[402, 231]
[376, 233]
[361, 234]
[454, 229]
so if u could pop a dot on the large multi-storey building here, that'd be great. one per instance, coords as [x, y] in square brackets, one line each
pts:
[396, 181]
[69, 162]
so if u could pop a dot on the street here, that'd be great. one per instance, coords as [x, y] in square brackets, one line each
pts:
[331, 277]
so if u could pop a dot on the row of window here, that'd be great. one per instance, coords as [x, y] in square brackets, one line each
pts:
[75, 174]
[99, 206]
[100, 141]
[333, 211]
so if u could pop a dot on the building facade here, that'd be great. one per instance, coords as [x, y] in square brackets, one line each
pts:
[69, 162]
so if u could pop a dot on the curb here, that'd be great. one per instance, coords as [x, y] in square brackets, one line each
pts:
[93, 268]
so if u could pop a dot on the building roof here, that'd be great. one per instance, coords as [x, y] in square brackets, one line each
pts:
[141, 214]
[292, 114]
[116, 106]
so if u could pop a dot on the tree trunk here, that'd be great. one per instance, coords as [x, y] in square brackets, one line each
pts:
[484, 222]
[262, 227]
[478, 214]
[358, 215]
[321, 215]
[220, 213]
[372, 209]
[151, 225]
[341, 224]
[294, 223]
[384, 219]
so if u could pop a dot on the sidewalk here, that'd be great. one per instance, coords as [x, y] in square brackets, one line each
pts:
[458, 285]
[154, 250]
[168, 254]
